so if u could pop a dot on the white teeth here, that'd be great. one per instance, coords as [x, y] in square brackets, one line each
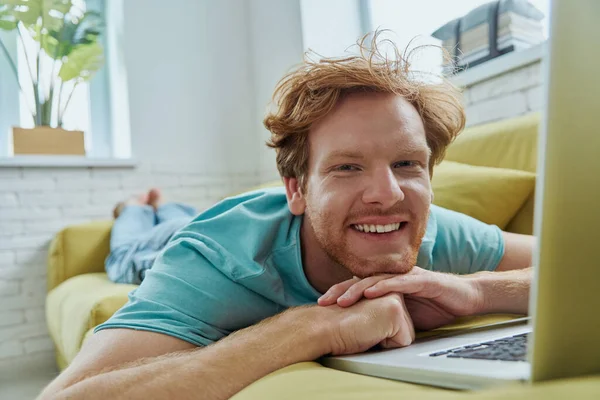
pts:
[377, 228]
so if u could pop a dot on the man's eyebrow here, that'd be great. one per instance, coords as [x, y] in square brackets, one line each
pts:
[414, 149]
[344, 154]
[404, 150]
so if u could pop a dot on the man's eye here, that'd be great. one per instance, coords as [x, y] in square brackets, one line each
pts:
[406, 164]
[346, 168]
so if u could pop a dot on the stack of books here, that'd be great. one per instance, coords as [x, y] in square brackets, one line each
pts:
[467, 39]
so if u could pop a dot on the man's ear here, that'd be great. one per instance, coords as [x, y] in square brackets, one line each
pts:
[295, 198]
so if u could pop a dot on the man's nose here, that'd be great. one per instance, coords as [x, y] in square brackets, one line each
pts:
[383, 188]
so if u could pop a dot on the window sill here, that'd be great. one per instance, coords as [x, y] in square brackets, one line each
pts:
[65, 162]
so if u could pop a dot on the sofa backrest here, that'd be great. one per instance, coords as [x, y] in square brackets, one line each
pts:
[510, 143]
[78, 249]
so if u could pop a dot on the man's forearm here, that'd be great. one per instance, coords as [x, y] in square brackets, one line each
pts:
[215, 372]
[504, 292]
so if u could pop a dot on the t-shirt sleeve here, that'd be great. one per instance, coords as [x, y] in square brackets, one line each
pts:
[465, 245]
[191, 293]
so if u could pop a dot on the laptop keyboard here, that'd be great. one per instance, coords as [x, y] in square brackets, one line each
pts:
[513, 348]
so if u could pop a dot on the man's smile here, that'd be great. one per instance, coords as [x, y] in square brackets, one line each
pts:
[378, 229]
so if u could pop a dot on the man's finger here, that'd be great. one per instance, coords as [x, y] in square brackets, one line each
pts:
[355, 292]
[405, 335]
[331, 295]
[399, 284]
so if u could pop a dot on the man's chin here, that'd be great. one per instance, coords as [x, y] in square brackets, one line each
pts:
[372, 267]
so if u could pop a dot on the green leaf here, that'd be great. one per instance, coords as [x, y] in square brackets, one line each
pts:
[88, 28]
[82, 63]
[40, 15]
[8, 21]
[25, 11]
[7, 25]
[53, 13]
[73, 33]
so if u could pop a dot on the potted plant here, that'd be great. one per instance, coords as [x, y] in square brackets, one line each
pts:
[66, 53]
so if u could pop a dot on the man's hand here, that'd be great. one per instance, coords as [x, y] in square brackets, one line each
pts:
[384, 321]
[433, 299]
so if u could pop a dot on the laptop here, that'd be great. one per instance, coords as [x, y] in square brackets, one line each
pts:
[561, 339]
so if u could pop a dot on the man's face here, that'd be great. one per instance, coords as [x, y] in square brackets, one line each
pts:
[368, 185]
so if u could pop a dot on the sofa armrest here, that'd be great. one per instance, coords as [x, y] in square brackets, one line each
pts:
[78, 249]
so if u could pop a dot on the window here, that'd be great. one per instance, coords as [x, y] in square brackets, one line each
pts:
[89, 103]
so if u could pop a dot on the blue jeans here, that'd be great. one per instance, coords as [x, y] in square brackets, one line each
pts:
[138, 236]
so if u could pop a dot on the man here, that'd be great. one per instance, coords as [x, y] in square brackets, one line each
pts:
[356, 143]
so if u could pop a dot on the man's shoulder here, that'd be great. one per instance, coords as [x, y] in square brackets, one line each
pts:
[439, 211]
[446, 219]
[244, 230]
[458, 243]
[248, 206]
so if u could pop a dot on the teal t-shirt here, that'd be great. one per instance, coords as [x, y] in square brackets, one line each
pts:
[240, 262]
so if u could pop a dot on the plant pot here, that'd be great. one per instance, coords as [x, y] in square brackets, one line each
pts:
[48, 141]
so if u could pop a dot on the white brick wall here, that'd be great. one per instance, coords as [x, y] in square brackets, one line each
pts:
[35, 203]
[14, 317]
[514, 93]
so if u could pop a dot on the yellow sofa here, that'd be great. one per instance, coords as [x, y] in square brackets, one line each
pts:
[482, 171]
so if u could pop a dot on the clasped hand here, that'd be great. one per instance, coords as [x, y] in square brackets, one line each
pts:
[432, 299]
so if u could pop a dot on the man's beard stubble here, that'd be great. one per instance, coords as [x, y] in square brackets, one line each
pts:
[336, 251]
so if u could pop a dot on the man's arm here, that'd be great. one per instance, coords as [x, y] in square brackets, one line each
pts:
[518, 252]
[221, 370]
[503, 292]
[111, 348]
[507, 289]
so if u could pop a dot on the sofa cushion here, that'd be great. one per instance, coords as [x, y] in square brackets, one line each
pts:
[78, 304]
[510, 143]
[310, 380]
[491, 195]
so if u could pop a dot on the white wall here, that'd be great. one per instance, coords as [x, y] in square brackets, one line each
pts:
[190, 83]
[199, 76]
[276, 45]
[330, 27]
